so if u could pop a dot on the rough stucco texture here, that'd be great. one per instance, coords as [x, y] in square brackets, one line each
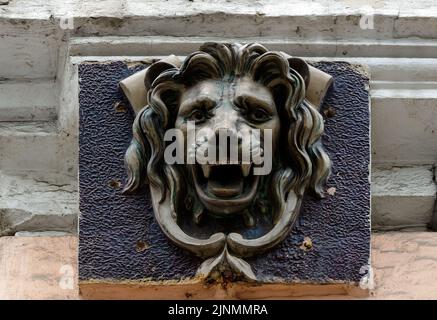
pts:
[119, 239]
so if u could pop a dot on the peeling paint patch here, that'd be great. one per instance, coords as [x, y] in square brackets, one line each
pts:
[331, 191]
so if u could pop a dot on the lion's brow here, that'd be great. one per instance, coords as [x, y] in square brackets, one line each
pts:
[254, 101]
[198, 100]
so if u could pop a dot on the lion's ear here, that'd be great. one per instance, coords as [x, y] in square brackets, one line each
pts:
[301, 67]
[154, 71]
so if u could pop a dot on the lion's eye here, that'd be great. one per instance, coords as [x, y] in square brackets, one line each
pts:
[259, 115]
[197, 116]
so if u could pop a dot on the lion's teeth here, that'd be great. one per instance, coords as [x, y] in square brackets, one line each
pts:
[206, 170]
[245, 168]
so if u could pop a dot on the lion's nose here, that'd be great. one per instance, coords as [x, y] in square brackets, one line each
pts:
[227, 132]
[228, 145]
[225, 122]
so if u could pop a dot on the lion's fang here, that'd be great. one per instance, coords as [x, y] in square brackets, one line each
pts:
[245, 168]
[206, 170]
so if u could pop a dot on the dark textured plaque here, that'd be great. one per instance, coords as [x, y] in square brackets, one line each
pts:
[120, 241]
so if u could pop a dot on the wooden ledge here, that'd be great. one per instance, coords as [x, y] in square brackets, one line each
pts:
[199, 291]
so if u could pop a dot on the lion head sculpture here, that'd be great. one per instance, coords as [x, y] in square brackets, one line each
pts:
[236, 90]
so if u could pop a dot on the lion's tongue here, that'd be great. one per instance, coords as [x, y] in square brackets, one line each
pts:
[229, 189]
[225, 181]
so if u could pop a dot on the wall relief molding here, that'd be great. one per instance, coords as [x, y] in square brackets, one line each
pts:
[221, 209]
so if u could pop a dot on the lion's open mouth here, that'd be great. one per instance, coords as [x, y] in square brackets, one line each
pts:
[225, 188]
